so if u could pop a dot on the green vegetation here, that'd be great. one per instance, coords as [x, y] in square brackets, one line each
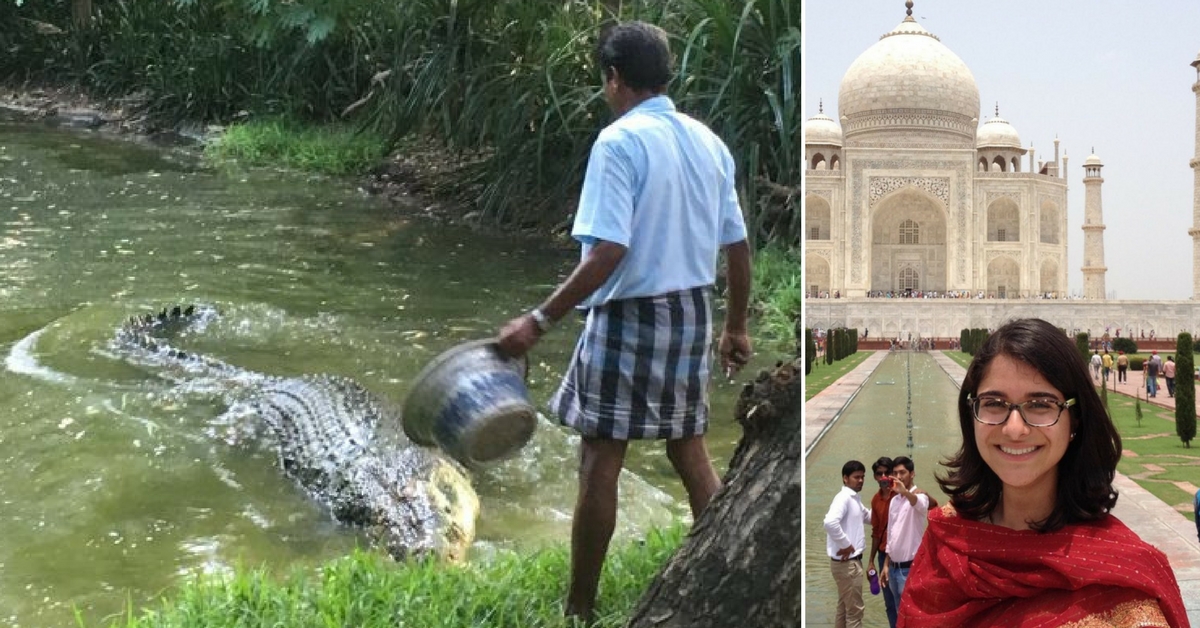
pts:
[1153, 442]
[1185, 390]
[962, 358]
[508, 86]
[368, 590]
[1126, 344]
[810, 351]
[334, 149]
[777, 296]
[823, 375]
[1081, 343]
[969, 340]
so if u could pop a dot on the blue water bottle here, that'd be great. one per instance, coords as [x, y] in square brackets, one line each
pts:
[874, 579]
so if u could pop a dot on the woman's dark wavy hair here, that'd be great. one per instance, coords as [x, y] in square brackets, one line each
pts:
[639, 52]
[1086, 470]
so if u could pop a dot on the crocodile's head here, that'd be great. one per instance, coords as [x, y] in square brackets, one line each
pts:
[420, 504]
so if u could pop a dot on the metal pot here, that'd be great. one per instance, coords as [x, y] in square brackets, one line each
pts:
[472, 402]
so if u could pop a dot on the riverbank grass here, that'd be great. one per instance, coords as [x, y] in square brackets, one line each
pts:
[777, 296]
[368, 590]
[325, 149]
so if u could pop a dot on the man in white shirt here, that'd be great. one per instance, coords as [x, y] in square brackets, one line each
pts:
[908, 515]
[844, 543]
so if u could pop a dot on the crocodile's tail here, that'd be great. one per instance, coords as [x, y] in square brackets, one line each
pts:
[147, 339]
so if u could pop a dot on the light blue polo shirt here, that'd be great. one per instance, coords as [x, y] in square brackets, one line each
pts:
[661, 184]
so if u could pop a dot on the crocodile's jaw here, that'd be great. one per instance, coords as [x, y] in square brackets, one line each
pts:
[451, 495]
[424, 506]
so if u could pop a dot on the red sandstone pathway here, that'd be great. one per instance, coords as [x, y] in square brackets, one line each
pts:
[1135, 386]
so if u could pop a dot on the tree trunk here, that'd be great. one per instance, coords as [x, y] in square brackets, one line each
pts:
[741, 563]
[81, 14]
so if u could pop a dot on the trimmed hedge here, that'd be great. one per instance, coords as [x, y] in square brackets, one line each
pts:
[1185, 390]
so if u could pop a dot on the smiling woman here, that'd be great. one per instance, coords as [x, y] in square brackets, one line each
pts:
[1027, 538]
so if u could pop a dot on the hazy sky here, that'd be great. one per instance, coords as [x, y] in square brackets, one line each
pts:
[1113, 75]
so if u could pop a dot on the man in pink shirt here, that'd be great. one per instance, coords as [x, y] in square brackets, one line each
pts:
[908, 514]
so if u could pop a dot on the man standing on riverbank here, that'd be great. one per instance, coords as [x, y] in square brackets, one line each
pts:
[658, 203]
[844, 540]
[907, 517]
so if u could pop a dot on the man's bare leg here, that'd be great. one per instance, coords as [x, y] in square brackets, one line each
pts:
[595, 518]
[689, 456]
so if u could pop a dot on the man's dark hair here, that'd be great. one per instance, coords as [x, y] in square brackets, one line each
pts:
[885, 463]
[903, 461]
[639, 52]
[1086, 470]
[852, 466]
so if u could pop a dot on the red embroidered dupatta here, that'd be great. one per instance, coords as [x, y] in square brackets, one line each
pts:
[968, 573]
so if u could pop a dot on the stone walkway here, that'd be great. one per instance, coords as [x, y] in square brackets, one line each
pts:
[1156, 522]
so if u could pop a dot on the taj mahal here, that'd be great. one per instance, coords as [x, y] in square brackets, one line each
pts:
[923, 216]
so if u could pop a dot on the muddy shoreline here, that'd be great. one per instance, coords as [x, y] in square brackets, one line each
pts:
[404, 179]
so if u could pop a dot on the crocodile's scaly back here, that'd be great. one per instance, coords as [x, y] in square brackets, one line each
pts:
[320, 421]
[327, 430]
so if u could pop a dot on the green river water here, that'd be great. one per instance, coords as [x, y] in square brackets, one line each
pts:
[116, 485]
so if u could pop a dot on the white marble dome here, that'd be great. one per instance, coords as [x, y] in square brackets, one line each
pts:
[997, 133]
[823, 130]
[1092, 160]
[909, 79]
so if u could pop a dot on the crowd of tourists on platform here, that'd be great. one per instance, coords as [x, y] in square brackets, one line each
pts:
[936, 294]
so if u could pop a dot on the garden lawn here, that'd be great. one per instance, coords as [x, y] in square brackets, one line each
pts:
[964, 359]
[823, 375]
[1154, 456]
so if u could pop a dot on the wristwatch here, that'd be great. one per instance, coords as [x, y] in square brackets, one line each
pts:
[542, 321]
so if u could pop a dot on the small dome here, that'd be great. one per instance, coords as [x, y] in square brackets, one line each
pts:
[821, 129]
[1092, 160]
[997, 133]
[909, 79]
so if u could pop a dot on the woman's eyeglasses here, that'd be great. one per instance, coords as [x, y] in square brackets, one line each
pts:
[1042, 412]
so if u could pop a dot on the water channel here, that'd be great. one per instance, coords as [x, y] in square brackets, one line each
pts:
[115, 484]
[876, 424]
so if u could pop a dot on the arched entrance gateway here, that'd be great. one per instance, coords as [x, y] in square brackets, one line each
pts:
[816, 274]
[1004, 278]
[816, 218]
[908, 243]
[1049, 285]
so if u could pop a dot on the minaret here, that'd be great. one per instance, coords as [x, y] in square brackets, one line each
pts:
[1195, 164]
[1093, 230]
[1056, 172]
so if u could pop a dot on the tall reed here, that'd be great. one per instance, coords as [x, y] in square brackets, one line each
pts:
[509, 86]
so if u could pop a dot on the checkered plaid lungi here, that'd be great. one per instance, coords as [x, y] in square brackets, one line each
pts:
[640, 369]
